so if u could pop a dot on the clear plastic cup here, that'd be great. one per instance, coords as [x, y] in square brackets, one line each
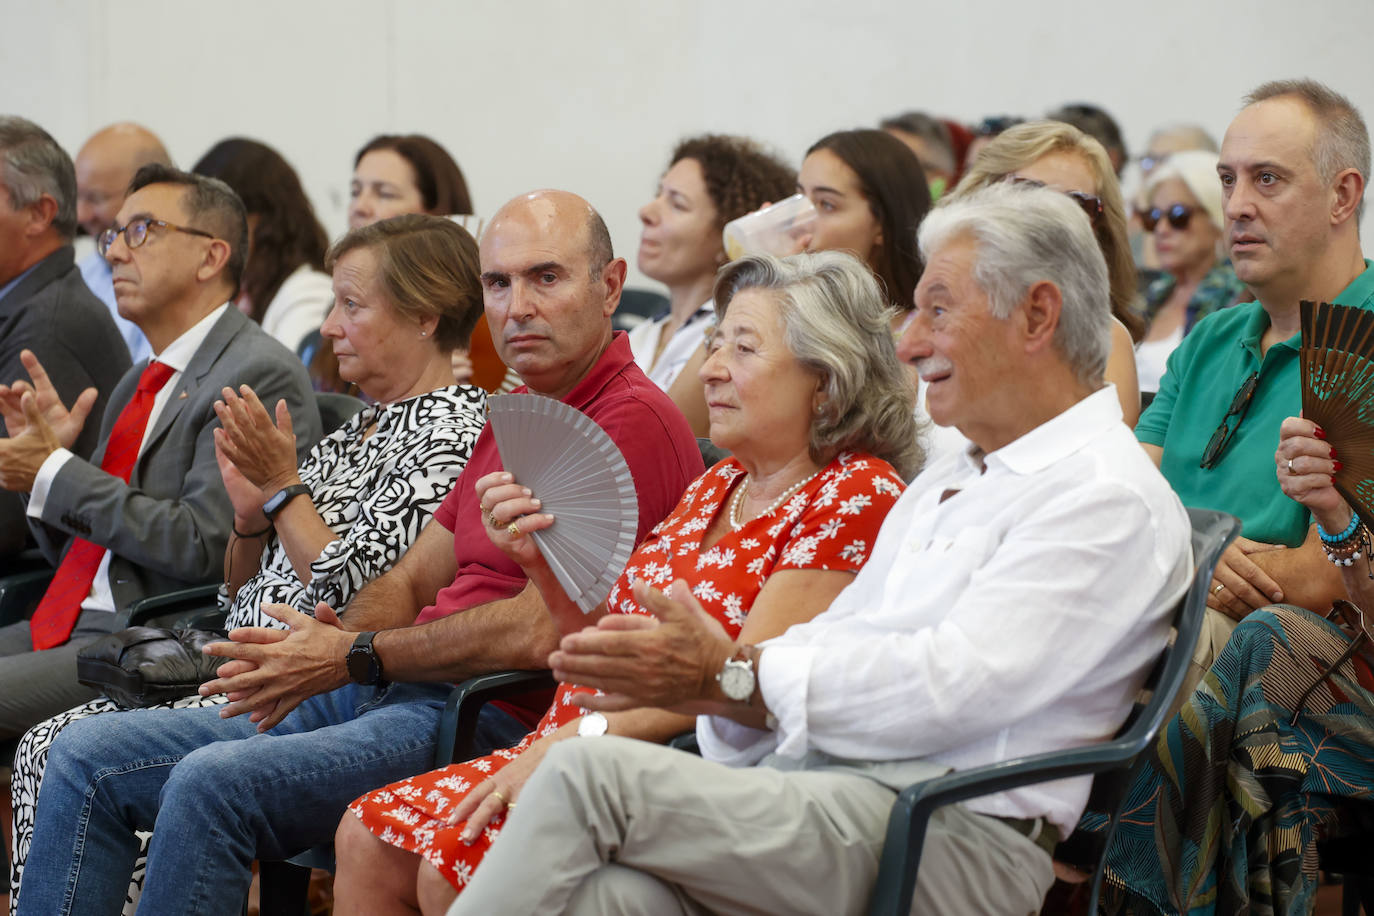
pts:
[776, 229]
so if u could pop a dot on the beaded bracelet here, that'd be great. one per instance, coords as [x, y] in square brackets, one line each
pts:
[1349, 532]
[1349, 549]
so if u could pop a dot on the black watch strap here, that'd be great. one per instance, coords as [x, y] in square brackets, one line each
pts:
[364, 667]
[283, 496]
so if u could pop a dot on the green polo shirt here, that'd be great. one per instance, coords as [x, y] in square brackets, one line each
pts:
[1201, 379]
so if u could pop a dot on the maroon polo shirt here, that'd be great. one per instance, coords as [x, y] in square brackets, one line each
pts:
[645, 425]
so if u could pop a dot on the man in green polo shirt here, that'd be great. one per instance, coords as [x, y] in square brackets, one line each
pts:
[1293, 169]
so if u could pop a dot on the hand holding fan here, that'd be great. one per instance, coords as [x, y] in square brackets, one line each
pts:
[1337, 362]
[581, 479]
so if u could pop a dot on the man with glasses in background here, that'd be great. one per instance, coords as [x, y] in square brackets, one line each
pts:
[44, 305]
[1293, 169]
[148, 513]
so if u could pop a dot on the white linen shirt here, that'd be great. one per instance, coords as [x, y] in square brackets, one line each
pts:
[1016, 616]
[177, 356]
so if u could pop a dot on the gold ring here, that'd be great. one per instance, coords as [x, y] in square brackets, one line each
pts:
[514, 529]
[491, 519]
[510, 807]
[1217, 589]
[499, 797]
[1290, 465]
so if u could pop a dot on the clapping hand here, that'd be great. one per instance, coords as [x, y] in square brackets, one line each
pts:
[65, 424]
[669, 660]
[264, 453]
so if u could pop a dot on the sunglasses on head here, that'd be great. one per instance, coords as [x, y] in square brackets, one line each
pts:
[1179, 215]
[1089, 203]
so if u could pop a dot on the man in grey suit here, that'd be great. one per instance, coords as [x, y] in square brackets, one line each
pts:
[45, 306]
[177, 258]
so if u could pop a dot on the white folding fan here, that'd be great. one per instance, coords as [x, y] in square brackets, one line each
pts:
[581, 479]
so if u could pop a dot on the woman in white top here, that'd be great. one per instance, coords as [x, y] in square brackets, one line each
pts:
[1184, 217]
[710, 180]
[285, 288]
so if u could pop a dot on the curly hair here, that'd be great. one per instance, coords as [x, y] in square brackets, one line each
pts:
[740, 174]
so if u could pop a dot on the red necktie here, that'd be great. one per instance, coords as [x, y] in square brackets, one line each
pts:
[56, 615]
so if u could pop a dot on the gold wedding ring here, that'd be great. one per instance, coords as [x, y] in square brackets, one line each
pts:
[1217, 589]
[514, 529]
[501, 798]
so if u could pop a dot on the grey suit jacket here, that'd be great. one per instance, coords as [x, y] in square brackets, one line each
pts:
[53, 313]
[168, 526]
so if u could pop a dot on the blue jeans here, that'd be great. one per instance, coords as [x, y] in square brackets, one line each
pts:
[217, 794]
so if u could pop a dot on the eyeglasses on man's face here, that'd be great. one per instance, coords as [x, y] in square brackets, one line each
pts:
[136, 233]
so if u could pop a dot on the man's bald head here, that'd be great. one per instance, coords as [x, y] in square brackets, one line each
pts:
[550, 284]
[105, 166]
[562, 214]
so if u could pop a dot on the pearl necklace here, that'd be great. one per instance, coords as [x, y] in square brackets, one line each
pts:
[737, 501]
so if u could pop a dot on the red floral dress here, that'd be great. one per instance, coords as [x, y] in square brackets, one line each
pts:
[830, 524]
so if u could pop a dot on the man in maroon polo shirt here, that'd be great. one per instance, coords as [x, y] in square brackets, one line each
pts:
[351, 704]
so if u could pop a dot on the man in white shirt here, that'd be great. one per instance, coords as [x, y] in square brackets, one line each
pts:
[161, 523]
[1013, 602]
[105, 165]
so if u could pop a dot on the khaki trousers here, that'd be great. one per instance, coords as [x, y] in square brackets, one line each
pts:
[611, 825]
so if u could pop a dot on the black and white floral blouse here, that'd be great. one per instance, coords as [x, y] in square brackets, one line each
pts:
[374, 493]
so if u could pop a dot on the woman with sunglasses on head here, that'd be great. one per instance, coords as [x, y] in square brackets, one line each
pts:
[1185, 220]
[1062, 157]
[1255, 769]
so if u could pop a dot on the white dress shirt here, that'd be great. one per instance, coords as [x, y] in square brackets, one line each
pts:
[95, 270]
[1016, 616]
[178, 356]
[644, 339]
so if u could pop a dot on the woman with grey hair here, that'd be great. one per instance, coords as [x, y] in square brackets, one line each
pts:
[1184, 217]
[804, 388]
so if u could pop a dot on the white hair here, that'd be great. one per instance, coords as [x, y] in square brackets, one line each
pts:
[1197, 169]
[1026, 235]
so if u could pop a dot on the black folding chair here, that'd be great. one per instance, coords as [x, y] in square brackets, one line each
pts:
[1124, 754]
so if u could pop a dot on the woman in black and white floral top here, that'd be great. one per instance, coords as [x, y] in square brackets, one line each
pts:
[406, 293]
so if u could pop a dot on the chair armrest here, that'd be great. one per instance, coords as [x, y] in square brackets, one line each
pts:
[20, 594]
[458, 727]
[687, 741]
[185, 600]
[906, 826]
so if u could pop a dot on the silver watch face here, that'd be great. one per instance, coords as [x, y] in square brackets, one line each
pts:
[737, 680]
[592, 725]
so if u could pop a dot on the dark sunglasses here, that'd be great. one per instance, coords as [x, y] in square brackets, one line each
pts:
[1352, 619]
[1179, 215]
[1090, 205]
[1240, 404]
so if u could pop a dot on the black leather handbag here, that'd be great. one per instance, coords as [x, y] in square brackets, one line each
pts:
[144, 666]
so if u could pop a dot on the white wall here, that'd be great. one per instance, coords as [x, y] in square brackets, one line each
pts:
[590, 96]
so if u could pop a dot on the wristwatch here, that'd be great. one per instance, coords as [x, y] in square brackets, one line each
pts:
[364, 667]
[282, 497]
[592, 725]
[736, 677]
